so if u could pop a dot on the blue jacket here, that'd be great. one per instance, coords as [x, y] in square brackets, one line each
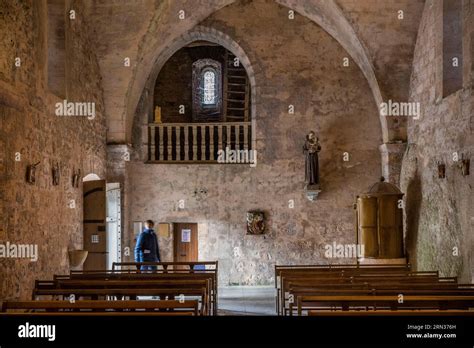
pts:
[146, 249]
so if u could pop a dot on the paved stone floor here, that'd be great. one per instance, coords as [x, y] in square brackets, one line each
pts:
[247, 300]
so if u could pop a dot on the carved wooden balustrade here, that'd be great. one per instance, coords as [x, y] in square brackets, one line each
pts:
[196, 142]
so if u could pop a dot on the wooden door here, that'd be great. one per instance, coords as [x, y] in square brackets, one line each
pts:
[185, 242]
[95, 240]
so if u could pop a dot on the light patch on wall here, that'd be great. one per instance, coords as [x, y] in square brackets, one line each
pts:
[164, 230]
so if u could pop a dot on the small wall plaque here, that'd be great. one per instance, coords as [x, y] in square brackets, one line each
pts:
[164, 230]
[255, 222]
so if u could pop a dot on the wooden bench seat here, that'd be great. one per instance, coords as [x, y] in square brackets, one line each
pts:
[134, 288]
[407, 291]
[364, 280]
[345, 283]
[101, 314]
[384, 302]
[170, 271]
[101, 306]
[170, 280]
[131, 293]
[383, 313]
[283, 272]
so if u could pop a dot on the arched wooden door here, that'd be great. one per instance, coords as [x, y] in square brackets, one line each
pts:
[95, 236]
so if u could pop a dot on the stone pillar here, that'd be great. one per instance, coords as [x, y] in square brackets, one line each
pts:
[392, 157]
[118, 155]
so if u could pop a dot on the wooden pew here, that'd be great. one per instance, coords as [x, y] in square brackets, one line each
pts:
[169, 286]
[191, 267]
[378, 291]
[353, 275]
[174, 287]
[387, 282]
[120, 294]
[93, 307]
[211, 267]
[282, 271]
[383, 302]
[384, 313]
[293, 282]
[167, 276]
[167, 266]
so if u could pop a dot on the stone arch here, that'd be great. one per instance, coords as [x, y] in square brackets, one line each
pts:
[326, 14]
[202, 33]
[330, 18]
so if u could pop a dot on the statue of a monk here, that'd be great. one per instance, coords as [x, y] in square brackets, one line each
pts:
[311, 149]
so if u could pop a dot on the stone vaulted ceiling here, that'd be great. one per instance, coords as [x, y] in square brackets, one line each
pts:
[370, 31]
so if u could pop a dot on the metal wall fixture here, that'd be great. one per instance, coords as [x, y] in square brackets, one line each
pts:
[465, 165]
[441, 170]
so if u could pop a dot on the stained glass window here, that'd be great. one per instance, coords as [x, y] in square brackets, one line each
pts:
[209, 88]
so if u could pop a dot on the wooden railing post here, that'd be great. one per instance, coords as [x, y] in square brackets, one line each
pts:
[186, 142]
[152, 143]
[203, 142]
[195, 157]
[211, 143]
[228, 142]
[219, 137]
[237, 136]
[160, 143]
[246, 137]
[178, 143]
[170, 142]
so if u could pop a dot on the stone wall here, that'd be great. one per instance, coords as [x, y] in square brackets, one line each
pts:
[298, 64]
[44, 214]
[174, 83]
[439, 212]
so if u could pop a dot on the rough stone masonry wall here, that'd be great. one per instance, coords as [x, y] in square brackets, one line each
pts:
[40, 214]
[439, 212]
[299, 64]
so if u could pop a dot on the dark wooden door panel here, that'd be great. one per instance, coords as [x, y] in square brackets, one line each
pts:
[185, 242]
[95, 237]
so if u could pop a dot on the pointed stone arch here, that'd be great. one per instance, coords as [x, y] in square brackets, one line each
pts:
[202, 33]
[326, 14]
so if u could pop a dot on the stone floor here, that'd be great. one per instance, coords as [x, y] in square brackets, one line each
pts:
[247, 300]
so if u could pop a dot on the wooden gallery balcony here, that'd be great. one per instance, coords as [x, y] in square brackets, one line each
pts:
[196, 142]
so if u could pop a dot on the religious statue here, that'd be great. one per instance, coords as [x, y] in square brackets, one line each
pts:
[157, 114]
[311, 149]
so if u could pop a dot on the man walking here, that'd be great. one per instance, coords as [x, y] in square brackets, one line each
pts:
[146, 249]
